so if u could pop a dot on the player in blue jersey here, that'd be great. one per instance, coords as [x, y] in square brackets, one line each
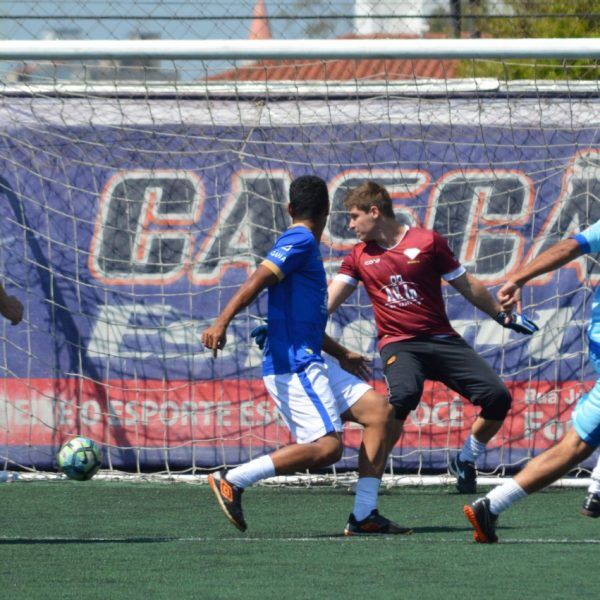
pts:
[313, 394]
[584, 437]
[10, 307]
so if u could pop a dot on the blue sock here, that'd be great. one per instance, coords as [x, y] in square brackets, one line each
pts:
[365, 499]
[471, 449]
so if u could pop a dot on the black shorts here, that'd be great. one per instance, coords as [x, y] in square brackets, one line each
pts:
[452, 361]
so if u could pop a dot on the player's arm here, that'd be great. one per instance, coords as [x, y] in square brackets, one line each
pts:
[338, 292]
[462, 281]
[10, 307]
[555, 257]
[343, 284]
[215, 336]
[476, 293]
[353, 362]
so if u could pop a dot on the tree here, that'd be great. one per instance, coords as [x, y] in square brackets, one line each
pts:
[537, 19]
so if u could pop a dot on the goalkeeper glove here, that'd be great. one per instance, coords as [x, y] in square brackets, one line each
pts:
[259, 334]
[518, 322]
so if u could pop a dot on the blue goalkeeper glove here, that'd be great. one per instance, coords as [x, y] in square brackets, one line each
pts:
[259, 334]
[518, 322]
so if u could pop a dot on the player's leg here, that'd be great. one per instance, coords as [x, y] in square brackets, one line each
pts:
[404, 373]
[309, 409]
[381, 431]
[591, 504]
[359, 403]
[577, 445]
[540, 472]
[316, 454]
[228, 486]
[453, 362]
[552, 464]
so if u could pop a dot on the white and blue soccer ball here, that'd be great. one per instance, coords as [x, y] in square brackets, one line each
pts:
[80, 458]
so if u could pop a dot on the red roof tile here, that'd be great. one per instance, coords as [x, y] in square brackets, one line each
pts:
[342, 69]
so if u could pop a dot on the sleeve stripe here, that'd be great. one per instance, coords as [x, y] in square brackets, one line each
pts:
[346, 279]
[583, 243]
[273, 267]
[454, 274]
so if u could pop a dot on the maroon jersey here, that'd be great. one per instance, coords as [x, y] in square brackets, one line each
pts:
[404, 284]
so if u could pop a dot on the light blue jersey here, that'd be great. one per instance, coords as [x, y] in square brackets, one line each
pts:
[589, 242]
[586, 415]
[297, 308]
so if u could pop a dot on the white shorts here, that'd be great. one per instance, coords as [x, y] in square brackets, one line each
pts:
[312, 401]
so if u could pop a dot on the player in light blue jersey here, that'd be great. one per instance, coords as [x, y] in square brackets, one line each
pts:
[313, 394]
[584, 437]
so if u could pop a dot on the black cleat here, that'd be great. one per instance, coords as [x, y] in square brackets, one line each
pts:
[374, 524]
[591, 506]
[229, 497]
[465, 473]
[483, 521]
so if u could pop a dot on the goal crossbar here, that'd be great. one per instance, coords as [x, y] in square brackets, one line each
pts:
[536, 48]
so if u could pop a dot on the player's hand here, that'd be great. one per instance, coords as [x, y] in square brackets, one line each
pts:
[260, 334]
[509, 296]
[214, 338]
[517, 322]
[356, 364]
[12, 309]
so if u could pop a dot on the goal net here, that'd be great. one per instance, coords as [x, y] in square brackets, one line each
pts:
[133, 207]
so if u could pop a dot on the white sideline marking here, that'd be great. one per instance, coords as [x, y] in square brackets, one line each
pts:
[340, 539]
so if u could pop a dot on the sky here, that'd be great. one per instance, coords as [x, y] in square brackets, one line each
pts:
[175, 19]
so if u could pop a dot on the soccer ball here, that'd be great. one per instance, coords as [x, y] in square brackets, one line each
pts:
[80, 458]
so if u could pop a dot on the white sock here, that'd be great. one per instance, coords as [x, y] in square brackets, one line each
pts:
[595, 485]
[251, 472]
[503, 496]
[365, 499]
[472, 449]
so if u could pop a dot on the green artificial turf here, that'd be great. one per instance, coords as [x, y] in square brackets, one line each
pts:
[109, 540]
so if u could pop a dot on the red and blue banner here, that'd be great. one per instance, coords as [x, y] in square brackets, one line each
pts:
[128, 224]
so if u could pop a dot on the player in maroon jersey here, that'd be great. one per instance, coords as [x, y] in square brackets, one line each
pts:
[402, 269]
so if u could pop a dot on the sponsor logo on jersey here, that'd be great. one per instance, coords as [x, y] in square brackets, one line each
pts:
[372, 261]
[412, 253]
[280, 255]
[400, 292]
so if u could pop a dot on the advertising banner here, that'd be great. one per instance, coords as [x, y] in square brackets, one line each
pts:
[128, 224]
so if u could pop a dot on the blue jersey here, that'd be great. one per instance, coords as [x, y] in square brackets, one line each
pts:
[297, 304]
[589, 241]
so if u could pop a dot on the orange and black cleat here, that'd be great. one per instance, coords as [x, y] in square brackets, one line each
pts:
[374, 524]
[483, 521]
[229, 497]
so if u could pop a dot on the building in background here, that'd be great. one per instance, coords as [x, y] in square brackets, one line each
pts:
[260, 28]
[56, 71]
[317, 70]
[390, 17]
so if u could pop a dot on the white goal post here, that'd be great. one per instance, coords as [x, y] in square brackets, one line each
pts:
[533, 48]
[134, 207]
